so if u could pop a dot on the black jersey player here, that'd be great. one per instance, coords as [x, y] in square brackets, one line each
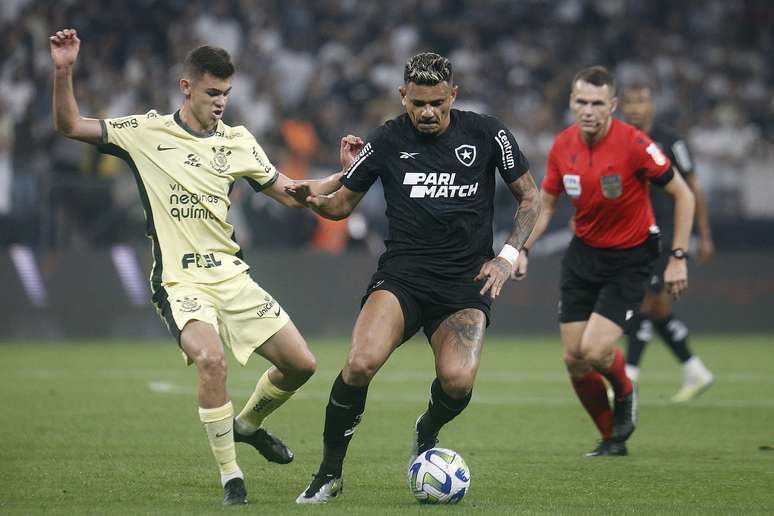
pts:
[656, 311]
[437, 166]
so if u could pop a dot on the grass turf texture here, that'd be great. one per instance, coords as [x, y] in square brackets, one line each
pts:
[111, 428]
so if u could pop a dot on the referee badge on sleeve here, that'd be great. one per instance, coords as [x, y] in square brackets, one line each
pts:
[572, 185]
[611, 186]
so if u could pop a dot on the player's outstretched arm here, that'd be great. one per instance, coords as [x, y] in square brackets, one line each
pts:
[349, 148]
[676, 273]
[67, 118]
[285, 190]
[335, 206]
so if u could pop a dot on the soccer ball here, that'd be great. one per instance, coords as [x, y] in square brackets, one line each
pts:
[439, 476]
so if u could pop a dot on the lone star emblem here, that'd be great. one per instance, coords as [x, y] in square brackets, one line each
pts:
[466, 154]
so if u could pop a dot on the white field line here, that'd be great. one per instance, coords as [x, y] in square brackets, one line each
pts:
[306, 393]
[326, 376]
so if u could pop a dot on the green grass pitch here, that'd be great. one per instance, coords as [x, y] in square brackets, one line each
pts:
[111, 428]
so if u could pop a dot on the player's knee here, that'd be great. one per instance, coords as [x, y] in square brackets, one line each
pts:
[576, 364]
[305, 367]
[573, 359]
[457, 384]
[360, 370]
[598, 356]
[211, 365]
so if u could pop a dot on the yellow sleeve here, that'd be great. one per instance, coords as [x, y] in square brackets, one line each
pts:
[260, 173]
[124, 132]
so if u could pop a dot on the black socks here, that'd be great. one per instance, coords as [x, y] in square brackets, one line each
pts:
[441, 409]
[343, 413]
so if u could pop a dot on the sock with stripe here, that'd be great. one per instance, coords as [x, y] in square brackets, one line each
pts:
[345, 409]
[218, 423]
[265, 399]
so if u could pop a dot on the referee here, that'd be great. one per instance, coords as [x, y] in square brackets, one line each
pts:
[604, 166]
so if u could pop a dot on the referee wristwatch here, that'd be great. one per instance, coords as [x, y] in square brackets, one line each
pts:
[679, 253]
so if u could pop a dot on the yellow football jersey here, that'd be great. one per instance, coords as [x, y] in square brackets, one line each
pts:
[184, 178]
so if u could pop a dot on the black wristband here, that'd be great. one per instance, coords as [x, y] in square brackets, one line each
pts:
[679, 253]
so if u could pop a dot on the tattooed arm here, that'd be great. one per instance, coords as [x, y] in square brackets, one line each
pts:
[496, 272]
[527, 195]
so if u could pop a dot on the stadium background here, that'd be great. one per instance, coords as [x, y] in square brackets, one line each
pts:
[74, 259]
[99, 415]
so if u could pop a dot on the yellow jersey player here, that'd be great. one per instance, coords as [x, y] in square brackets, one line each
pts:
[185, 165]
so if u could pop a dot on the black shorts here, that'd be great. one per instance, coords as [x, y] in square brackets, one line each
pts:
[610, 282]
[656, 282]
[427, 303]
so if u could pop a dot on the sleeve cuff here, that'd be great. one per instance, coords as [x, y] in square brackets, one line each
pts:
[103, 127]
[664, 178]
[258, 186]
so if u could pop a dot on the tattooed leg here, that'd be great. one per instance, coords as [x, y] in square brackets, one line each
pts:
[457, 346]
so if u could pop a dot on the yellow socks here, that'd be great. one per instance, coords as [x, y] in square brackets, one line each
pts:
[266, 399]
[218, 423]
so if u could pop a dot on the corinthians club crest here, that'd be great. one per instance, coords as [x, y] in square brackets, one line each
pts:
[220, 159]
[189, 304]
[466, 154]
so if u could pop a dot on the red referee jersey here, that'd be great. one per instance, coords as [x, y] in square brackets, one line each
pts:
[608, 183]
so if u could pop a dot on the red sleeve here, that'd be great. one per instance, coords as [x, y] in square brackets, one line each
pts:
[649, 158]
[552, 181]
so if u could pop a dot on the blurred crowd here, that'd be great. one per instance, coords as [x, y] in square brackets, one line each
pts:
[309, 72]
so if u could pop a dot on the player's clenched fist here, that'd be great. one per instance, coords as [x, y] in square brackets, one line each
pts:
[64, 47]
[350, 148]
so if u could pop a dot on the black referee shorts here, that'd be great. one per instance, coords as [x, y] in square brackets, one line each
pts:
[427, 302]
[610, 282]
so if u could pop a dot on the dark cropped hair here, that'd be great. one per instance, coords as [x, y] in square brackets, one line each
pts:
[427, 69]
[207, 59]
[596, 75]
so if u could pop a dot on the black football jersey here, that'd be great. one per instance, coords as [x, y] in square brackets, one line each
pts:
[439, 192]
[677, 151]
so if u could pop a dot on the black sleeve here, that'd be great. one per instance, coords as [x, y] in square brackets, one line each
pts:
[509, 159]
[367, 167]
[681, 156]
[664, 178]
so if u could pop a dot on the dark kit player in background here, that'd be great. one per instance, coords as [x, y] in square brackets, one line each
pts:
[437, 166]
[604, 166]
[656, 311]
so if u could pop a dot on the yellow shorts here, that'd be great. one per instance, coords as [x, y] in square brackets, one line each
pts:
[244, 315]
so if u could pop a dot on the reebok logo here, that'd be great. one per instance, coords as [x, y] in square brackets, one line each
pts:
[437, 185]
[408, 155]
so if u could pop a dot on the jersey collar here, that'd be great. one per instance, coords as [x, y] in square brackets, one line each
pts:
[613, 122]
[198, 134]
